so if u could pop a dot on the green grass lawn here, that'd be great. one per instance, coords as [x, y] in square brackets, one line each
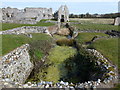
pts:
[10, 42]
[109, 48]
[6, 26]
[85, 37]
[90, 26]
[94, 20]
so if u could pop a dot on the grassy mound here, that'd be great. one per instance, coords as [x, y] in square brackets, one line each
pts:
[108, 47]
[85, 37]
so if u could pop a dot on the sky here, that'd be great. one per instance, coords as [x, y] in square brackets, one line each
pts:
[74, 6]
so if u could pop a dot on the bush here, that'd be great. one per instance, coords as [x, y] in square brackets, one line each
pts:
[38, 49]
[65, 42]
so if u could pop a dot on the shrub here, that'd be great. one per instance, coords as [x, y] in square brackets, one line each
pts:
[38, 49]
[65, 42]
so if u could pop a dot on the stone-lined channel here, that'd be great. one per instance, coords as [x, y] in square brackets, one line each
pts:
[87, 68]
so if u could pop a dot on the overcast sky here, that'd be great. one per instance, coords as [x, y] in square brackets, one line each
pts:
[75, 6]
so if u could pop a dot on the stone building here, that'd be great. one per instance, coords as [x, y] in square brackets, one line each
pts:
[62, 15]
[27, 15]
[38, 13]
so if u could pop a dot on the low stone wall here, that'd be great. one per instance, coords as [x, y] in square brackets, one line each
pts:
[93, 31]
[20, 21]
[111, 74]
[113, 33]
[25, 29]
[16, 65]
[110, 77]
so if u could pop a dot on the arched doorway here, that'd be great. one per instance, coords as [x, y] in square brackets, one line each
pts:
[62, 18]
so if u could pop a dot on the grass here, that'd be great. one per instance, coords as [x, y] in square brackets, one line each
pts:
[90, 26]
[57, 56]
[10, 42]
[109, 48]
[94, 20]
[85, 37]
[61, 53]
[7, 26]
[38, 54]
[56, 70]
[94, 24]
[73, 21]
[57, 37]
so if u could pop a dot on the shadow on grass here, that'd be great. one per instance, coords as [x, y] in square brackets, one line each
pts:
[80, 68]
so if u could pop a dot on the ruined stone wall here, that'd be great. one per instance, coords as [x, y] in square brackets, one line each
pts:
[111, 73]
[62, 13]
[25, 29]
[31, 29]
[26, 16]
[117, 21]
[109, 78]
[38, 13]
[16, 65]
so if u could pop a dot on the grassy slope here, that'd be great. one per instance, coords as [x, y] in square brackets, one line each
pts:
[6, 26]
[10, 42]
[85, 37]
[109, 48]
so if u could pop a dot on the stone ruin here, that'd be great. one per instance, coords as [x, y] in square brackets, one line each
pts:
[25, 16]
[117, 21]
[30, 15]
[62, 14]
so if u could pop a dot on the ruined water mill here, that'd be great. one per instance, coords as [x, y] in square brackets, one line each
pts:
[67, 64]
[57, 60]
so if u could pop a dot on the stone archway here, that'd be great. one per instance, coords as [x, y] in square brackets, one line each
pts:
[62, 18]
[63, 14]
